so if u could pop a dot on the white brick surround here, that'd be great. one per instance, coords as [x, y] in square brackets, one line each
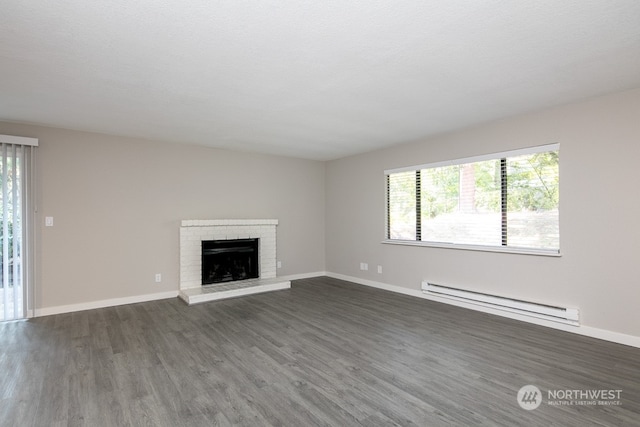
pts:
[193, 232]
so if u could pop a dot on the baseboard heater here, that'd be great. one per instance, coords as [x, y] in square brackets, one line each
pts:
[541, 311]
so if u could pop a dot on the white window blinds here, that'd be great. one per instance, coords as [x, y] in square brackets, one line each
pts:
[506, 200]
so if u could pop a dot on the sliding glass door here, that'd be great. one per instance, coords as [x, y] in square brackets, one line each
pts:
[15, 230]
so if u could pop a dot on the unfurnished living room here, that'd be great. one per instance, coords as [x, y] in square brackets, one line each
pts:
[331, 213]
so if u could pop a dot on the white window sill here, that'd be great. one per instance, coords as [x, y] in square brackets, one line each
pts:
[511, 250]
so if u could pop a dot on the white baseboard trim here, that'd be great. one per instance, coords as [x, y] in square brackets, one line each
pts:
[60, 309]
[379, 285]
[48, 311]
[630, 340]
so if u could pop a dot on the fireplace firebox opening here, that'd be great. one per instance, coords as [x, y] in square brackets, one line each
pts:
[229, 260]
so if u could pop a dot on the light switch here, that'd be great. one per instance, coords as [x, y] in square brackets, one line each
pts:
[48, 221]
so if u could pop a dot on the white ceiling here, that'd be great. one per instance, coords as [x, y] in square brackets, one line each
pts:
[306, 78]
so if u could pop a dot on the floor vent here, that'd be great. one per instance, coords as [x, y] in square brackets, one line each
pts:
[558, 314]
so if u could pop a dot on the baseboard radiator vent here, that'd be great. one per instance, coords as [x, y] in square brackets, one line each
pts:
[541, 311]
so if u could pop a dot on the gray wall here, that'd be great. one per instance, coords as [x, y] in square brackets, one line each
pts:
[117, 205]
[599, 214]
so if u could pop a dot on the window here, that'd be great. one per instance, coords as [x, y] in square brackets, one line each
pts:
[506, 202]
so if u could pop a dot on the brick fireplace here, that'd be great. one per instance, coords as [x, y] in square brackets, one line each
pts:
[194, 232]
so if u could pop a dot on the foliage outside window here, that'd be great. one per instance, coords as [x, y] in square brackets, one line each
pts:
[507, 201]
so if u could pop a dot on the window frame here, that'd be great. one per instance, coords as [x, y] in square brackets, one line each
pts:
[460, 161]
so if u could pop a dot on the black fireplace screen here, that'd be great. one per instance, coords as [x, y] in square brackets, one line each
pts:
[229, 260]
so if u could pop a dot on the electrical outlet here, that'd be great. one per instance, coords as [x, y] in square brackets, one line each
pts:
[279, 264]
[48, 221]
[158, 277]
[364, 266]
[379, 269]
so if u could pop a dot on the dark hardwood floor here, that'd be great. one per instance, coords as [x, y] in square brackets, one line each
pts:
[326, 352]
